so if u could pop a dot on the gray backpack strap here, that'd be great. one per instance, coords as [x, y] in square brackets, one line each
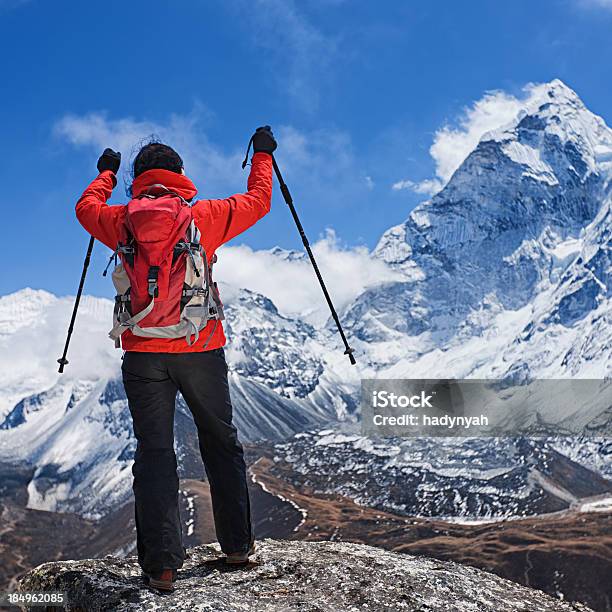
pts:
[126, 322]
[214, 292]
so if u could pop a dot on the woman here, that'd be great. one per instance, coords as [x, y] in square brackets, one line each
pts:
[156, 368]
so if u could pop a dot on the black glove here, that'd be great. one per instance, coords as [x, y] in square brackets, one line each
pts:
[263, 140]
[109, 160]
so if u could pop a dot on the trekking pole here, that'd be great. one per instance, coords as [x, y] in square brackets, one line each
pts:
[62, 360]
[289, 200]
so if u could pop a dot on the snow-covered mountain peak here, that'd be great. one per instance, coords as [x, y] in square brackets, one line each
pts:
[516, 240]
[287, 254]
[555, 117]
[553, 104]
[553, 97]
[557, 89]
[548, 168]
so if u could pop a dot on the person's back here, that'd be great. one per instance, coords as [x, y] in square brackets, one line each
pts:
[161, 359]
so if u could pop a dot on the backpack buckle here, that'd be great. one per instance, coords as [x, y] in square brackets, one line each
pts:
[152, 281]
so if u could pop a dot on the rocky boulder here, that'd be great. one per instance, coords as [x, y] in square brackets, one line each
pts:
[285, 576]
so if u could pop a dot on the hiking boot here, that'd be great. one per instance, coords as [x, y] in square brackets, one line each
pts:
[240, 558]
[163, 581]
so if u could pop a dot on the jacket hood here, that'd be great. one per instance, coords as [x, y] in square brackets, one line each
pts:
[173, 181]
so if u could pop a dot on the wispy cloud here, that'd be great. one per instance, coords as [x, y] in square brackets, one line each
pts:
[221, 170]
[605, 4]
[326, 167]
[427, 187]
[302, 54]
[322, 157]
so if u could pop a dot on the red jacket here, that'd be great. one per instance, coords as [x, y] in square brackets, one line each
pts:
[217, 220]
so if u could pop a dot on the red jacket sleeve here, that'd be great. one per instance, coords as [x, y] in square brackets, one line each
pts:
[222, 220]
[95, 215]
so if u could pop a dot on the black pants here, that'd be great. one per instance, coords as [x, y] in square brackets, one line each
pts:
[151, 383]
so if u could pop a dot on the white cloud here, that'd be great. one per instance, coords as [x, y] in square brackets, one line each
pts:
[205, 161]
[428, 186]
[452, 144]
[291, 283]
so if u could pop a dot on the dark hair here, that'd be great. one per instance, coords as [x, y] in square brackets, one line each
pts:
[157, 155]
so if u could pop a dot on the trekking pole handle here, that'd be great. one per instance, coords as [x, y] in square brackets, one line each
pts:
[289, 201]
[62, 360]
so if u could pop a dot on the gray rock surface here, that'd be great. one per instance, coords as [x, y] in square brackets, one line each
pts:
[286, 576]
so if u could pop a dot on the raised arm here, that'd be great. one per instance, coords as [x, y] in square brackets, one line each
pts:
[222, 220]
[94, 214]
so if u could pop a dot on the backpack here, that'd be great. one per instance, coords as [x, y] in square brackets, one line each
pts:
[163, 281]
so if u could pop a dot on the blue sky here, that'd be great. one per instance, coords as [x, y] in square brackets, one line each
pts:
[357, 92]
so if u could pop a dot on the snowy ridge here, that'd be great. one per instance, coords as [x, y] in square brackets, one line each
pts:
[471, 478]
